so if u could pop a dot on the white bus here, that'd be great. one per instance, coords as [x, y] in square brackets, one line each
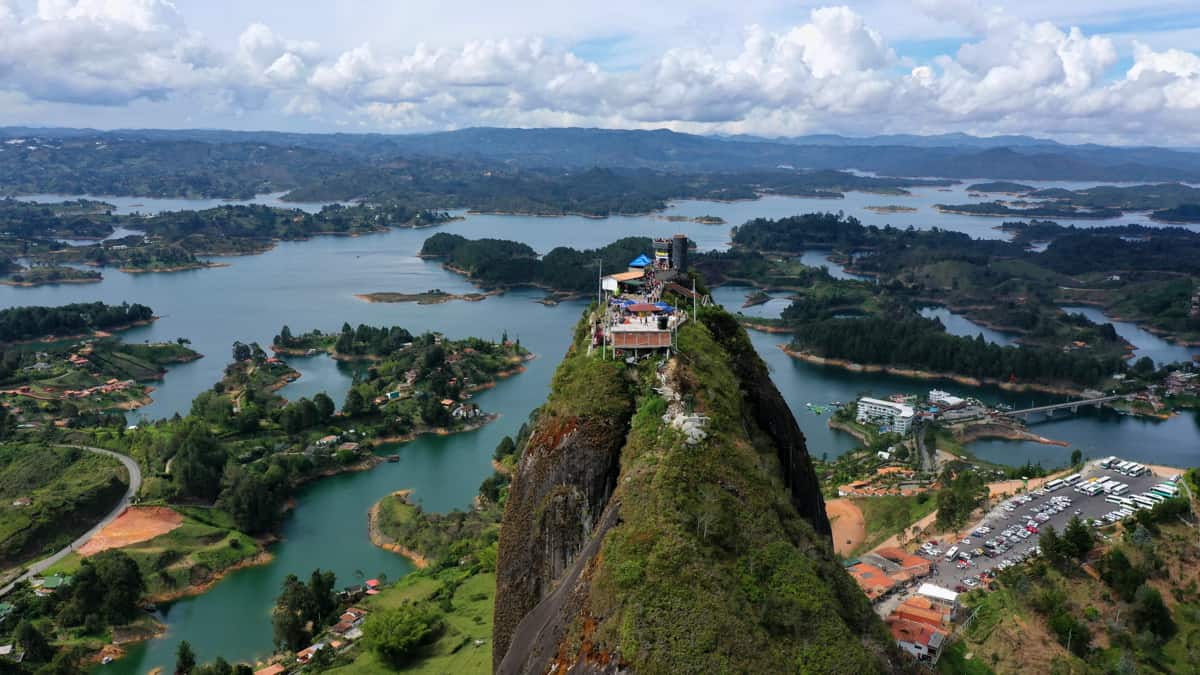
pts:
[1109, 484]
[1142, 501]
[1115, 500]
[1138, 470]
[1072, 479]
[1124, 501]
[1124, 466]
[1166, 489]
[1054, 485]
[1119, 490]
[1156, 498]
[950, 555]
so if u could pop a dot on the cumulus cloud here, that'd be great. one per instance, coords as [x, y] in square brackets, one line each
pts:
[830, 72]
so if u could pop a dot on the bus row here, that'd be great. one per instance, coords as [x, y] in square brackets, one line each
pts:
[1146, 500]
[1128, 468]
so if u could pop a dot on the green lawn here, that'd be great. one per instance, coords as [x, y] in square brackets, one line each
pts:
[890, 514]
[455, 652]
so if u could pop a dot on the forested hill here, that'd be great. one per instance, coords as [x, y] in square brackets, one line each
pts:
[238, 164]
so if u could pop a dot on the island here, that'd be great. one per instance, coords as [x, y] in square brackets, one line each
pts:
[891, 208]
[434, 296]
[45, 275]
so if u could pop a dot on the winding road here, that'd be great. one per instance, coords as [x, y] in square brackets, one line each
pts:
[135, 484]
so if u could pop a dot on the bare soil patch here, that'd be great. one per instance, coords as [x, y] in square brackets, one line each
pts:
[135, 525]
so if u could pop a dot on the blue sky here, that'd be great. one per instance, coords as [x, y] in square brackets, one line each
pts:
[1113, 71]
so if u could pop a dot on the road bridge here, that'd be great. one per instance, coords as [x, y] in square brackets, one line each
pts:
[1073, 406]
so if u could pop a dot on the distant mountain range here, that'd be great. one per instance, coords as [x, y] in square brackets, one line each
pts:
[959, 156]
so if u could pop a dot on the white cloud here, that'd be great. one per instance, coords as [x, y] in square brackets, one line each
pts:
[830, 71]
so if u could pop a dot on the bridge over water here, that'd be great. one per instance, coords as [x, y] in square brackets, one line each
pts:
[1073, 406]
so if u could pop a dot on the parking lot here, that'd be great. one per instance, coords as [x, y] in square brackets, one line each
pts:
[1014, 524]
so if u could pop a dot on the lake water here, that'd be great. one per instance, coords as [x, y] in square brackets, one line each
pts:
[313, 285]
[149, 206]
[957, 324]
[1145, 342]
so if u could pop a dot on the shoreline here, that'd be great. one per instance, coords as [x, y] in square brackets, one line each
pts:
[175, 268]
[424, 298]
[927, 375]
[261, 558]
[378, 538]
[35, 284]
[99, 333]
[969, 434]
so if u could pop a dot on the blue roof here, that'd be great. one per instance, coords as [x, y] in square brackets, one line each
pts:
[640, 261]
[664, 307]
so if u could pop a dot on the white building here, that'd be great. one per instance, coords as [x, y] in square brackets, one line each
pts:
[945, 399]
[896, 415]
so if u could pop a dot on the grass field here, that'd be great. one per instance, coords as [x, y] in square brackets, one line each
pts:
[469, 621]
[891, 514]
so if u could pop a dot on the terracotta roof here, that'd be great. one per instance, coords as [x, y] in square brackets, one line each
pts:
[927, 616]
[643, 307]
[871, 579]
[273, 669]
[904, 630]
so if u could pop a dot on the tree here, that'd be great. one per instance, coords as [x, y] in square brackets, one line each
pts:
[505, 448]
[321, 585]
[32, 642]
[1152, 614]
[241, 351]
[1121, 575]
[198, 462]
[1053, 547]
[325, 407]
[1078, 538]
[394, 635]
[355, 403]
[185, 658]
[1143, 366]
[1076, 457]
[291, 614]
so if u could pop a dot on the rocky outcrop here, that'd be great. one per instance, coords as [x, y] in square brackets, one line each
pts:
[668, 520]
[563, 481]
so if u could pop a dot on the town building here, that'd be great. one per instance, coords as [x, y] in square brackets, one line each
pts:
[873, 581]
[944, 399]
[921, 640]
[897, 416]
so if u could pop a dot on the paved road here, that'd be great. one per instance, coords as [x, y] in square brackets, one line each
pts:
[135, 484]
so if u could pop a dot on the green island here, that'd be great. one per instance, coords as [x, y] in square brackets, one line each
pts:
[891, 208]
[434, 296]
[1169, 202]
[22, 324]
[172, 241]
[45, 275]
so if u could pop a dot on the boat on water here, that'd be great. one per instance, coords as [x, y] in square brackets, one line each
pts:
[393, 458]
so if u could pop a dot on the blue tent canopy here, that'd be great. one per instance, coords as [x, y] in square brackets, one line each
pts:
[640, 261]
[664, 307]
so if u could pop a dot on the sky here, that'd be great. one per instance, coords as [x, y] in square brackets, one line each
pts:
[1105, 71]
